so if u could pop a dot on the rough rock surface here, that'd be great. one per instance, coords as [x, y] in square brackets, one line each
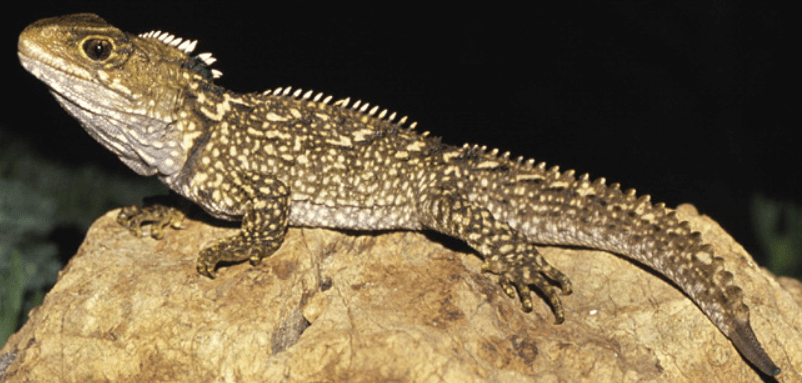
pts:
[397, 306]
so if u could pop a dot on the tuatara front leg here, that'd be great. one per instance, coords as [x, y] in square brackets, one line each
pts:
[506, 252]
[150, 220]
[265, 217]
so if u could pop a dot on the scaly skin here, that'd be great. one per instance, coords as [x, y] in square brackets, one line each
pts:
[285, 157]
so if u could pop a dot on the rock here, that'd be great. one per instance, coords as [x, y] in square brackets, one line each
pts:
[394, 306]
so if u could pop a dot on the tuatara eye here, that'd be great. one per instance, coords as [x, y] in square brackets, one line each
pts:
[97, 49]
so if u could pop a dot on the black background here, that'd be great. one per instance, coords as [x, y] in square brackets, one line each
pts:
[695, 101]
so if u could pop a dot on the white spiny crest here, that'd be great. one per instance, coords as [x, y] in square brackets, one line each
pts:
[344, 103]
[207, 58]
[183, 45]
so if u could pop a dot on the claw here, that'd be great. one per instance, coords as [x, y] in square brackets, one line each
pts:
[208, 258]
[206, 270]
[518, 273]
[507, 287]
[150, 220]
[526, 297]
[255, 259]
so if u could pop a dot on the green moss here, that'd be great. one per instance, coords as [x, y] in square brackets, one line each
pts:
[40, 201]
[778, 226]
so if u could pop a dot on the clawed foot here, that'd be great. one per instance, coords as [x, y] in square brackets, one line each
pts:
[519, 271]
[150, 220]
[231, 249]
